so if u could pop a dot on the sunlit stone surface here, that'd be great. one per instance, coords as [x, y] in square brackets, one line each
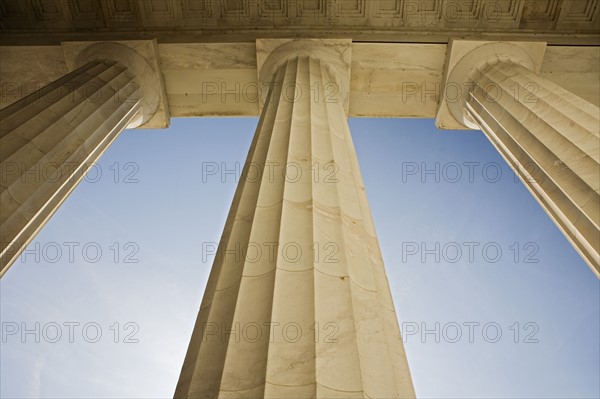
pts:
[549, 135]
[50, 139]
[330, 286]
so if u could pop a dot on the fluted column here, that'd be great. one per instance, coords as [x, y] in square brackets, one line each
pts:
[550, 136]
[49, 139]
[306, 310]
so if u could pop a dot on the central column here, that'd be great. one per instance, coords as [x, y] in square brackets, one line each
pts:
[298, 304]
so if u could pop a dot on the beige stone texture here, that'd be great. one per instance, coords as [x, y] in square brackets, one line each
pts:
[231, 21]
[549, 135]
[395, 80]
[49, 139]
[322, 300]
[140, 57]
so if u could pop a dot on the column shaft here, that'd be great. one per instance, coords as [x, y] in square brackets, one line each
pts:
[552, 139]
[49, 139]
[298, 303]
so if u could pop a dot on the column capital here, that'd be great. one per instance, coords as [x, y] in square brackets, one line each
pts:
[463, 59]
[141, 59]
[335, 55]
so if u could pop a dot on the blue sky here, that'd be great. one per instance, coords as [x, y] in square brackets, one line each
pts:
[119, 270]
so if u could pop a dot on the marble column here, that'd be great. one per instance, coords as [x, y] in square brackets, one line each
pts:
[550, 137]
[49, 139]
[298, 304]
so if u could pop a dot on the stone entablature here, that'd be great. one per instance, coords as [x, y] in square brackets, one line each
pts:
[47, 21]
[402, 80]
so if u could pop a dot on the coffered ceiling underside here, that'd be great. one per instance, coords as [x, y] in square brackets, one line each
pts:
[33, 22]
